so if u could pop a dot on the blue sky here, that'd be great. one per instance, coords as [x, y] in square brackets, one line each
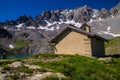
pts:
[12, 9]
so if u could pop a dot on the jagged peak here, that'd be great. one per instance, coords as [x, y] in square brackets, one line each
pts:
[80, 15]
[85, 6]
[118, 5]
[103, 9]
[115, 10]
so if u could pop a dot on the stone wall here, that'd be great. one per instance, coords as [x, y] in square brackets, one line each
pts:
[74, 43]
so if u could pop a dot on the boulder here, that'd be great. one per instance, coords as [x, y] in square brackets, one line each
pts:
[32, 66]
[106, 59]
[44, 75]
[15, 64]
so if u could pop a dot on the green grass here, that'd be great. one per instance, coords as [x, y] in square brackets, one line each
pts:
[84, 68]
[25, 70]
[3, 63]
[12, 77]
[113, 46]
[46, 55]
[55, 78]
[112, 41]
[74, 67]
[20, 44]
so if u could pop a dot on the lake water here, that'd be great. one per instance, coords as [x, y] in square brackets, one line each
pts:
[16, 56]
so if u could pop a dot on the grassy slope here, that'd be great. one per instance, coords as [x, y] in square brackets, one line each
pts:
[75, 67]
[113, 46]
[20, 44]
[81, 68]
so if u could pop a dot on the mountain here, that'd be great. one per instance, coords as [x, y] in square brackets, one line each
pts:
[31, 35]
[100, 21]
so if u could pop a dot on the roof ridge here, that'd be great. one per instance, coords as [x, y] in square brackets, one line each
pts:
[76, 29]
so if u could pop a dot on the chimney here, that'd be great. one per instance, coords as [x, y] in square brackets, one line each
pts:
[85, 27]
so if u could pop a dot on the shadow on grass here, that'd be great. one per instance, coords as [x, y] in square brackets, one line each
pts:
[114, 56]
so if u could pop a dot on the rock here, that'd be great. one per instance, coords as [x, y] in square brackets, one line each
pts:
[5, 39]
[23, 19]
[30, 23]
[1, 68]
[107, 59]
[38, 18]
[15, 64]
[115, 11]
[42, 23]
[44, 75]
[67, 14]
[95, 14]
[5, 33]
[54, 17]
[46, 15]
[23, 76]
[104, 13]
[57, 12]
[32, 66]
[83, 14]
[9, 23]
[2, 77]
[32, 35]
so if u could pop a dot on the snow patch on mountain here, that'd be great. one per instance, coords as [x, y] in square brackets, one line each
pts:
[52, 28]
[108, 33]
[31, 27]
[108, 29]
[50, 24]
[46, 28]
[11, 46]
[73, 23]
[92, 20]
[5, 27]
[42, 27]
[100, 19]
[19, 25]
[94, 15]
[67, 22]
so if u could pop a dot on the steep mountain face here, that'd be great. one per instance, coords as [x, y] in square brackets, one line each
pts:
[5, 37]
[45, 26]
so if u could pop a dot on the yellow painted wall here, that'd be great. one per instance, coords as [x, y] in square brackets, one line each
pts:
[74, 43]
